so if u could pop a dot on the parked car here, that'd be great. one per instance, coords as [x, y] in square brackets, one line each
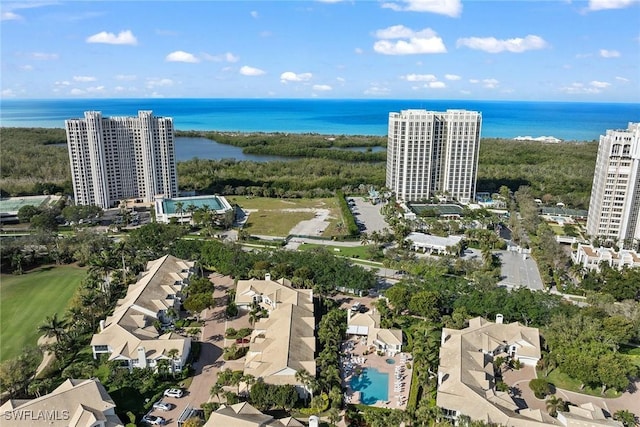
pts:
[174, 392]
[154, 420]
[162, 406]
[356, 306]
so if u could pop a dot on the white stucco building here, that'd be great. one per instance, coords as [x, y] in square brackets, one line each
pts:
[614, 208]
[116, 158]
[432, 152]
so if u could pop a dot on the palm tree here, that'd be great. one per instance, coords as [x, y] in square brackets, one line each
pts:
[307, 380]
[173, 354]
[53, 327]
[102, 265]
[180, 209]
[215, 390]
[554, 404]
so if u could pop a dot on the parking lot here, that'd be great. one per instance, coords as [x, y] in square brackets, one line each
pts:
[519, 270]
[367, 214]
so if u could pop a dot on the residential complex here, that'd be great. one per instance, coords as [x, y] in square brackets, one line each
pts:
[590, 257]
[74, 403]
[135, 334]
[283, 343]
[433, 153]
[116, 158]
[466, 376]
[614, 208]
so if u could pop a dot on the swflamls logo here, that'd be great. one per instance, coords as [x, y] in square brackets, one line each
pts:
[29, 415]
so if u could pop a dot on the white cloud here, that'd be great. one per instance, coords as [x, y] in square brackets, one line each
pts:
[452, 77]
[358, 51]
[10, 16]
[622, 79]
[123, 37]
[76, 91]
[181, 56]
[609, 53]
[126, 77]
[490, 83]
[26, 67]
[94, 89]
[254, 14]
[290, 76]
[246, 70]
[158, 82]
[474, 81]
[609, 4]
[452, 8]
[322, 87]
[341, 79]
[376, 90]
[437, 85]
[419, 78]
[84, 78]
[402, 32]
[41, 56]
[493, 45]
[414, 42]
[63, 83]
[227, 56]
[8, 93]
[593, 87]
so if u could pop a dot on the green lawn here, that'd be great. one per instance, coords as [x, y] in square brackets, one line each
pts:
[27, 299]
[565, 382]
[360, 252]
[275, 223]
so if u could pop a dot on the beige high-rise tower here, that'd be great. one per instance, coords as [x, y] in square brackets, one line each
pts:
[431, 153]
[116, 158]
[614, 208]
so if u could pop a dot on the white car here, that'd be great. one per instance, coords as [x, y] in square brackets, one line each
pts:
[162, 406]
[174, 392]
[154, 420]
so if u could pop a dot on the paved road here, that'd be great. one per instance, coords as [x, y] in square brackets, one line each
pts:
[210, 361]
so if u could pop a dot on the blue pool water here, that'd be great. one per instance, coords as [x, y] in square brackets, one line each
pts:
[212, 202]
[372, 384]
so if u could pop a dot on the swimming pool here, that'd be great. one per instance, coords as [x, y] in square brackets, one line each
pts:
[372, 384]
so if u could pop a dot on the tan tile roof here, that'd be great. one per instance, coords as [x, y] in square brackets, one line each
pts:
[131, 325]
[466, 376]
[283, 343]
[75, 403]
[279, 292]
[287, 347]
[244, 415]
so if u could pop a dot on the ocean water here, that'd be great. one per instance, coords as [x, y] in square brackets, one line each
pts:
[504, 119]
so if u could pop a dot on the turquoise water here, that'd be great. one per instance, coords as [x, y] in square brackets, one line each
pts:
[581, 121]
[169, 205]
[372, 384]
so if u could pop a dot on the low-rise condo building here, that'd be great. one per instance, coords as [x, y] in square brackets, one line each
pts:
[131, 334]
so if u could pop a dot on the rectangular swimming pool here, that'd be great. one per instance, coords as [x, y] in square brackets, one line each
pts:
[372, 384]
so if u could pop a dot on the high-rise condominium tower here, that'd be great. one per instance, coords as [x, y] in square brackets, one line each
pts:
[116, 158]
[431, 152]
[614, 208]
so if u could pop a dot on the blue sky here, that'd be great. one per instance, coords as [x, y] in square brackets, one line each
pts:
[399, 49]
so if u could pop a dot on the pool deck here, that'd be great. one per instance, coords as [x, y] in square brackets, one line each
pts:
[399, 385]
